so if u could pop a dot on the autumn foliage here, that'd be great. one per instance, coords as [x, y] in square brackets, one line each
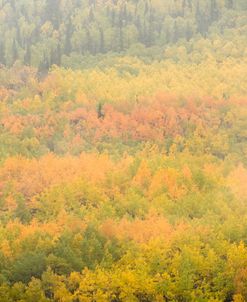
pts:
[121, 187]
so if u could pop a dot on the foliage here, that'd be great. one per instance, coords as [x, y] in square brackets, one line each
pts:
[124, 177]
[71, 33]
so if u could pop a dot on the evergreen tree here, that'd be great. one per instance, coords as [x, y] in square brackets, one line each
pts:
[2, 53]
[102, 40]
[14, 52]
[52, 12]
[69, 30]
[27, 57]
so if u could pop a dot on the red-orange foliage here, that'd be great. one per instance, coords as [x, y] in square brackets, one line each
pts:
[32, 176]
[138, 230]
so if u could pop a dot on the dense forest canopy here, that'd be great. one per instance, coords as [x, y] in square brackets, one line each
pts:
[46, 32]
[123, 151]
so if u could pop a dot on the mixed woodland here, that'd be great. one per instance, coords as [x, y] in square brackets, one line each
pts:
[123, 151]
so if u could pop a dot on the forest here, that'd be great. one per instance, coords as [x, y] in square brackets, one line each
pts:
[46, 32]
[123, 151]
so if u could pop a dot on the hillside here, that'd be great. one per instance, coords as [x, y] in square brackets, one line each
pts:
[47, 32]
[123, 151]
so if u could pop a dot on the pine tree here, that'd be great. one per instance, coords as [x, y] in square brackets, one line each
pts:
[102, 40]
[52, 12]
[2, 53]
[27, 57]
[214, 14]
[14, 52]
[67, 46]
[229, 4]
[100, 111]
